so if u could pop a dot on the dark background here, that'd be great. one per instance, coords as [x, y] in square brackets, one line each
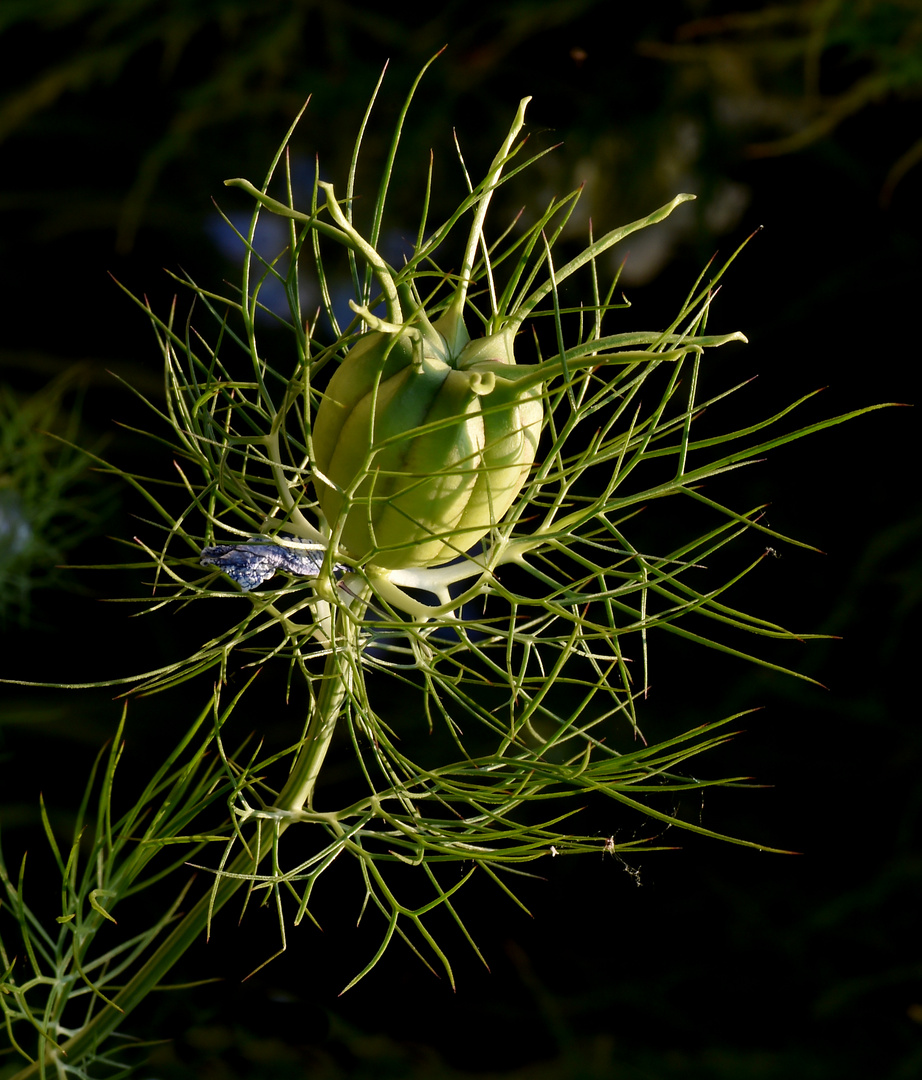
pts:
[119, 123]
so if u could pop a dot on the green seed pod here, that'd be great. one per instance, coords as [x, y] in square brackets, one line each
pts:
[421, 451]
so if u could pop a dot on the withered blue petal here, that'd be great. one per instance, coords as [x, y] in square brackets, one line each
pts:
[253, 562]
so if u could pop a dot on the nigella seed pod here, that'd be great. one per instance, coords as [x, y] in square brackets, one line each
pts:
[423, 439]
[421, 453]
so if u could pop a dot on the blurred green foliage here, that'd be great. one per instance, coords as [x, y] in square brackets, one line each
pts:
[49, 502]
[787, 75]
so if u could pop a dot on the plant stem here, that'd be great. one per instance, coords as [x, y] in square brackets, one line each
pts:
[296, 794]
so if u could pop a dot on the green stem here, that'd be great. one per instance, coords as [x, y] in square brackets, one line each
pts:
[301, 526]
[476, 234]
[298, 792]
[593, 251]
[357, 242]
[295, 796]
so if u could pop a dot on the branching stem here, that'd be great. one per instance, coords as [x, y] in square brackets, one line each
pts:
[295, 796]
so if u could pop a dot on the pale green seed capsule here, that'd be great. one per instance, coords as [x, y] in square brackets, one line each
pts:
[423, 453]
